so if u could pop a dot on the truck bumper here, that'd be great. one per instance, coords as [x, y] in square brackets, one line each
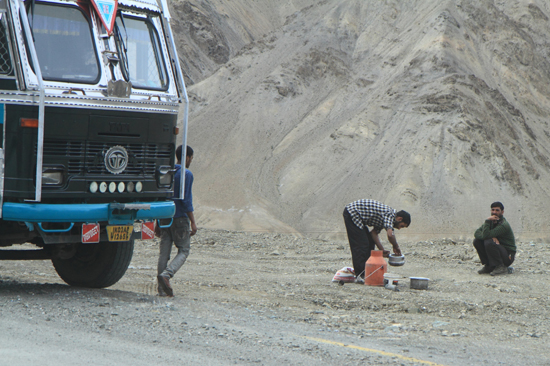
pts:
[113, 213]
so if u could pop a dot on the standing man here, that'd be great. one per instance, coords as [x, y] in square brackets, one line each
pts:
[362, 213]
[495, 242]
[182, 229]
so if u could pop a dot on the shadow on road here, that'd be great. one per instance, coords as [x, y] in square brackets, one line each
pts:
[10, 287]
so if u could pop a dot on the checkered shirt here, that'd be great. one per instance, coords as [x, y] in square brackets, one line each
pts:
[371, 213]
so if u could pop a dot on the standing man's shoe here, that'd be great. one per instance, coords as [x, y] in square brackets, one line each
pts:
[485, 270]
[164, 283]
[161, 292]
[499, 270]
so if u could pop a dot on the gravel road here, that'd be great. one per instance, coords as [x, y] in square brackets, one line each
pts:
[268, 299]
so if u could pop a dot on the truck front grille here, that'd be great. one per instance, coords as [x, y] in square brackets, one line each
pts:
[88, 158]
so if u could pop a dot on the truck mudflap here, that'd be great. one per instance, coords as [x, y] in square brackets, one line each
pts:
[113, 213]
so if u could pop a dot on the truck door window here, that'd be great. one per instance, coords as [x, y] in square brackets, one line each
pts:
[5, 61]
[139, 48]
[64, 44]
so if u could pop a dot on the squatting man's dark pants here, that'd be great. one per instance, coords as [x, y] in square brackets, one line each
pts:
[493, 254]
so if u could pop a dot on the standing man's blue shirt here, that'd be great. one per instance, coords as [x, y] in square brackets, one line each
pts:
[186, 204]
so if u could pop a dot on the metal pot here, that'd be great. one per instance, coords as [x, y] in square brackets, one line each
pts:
[396, 260]
[419, 283]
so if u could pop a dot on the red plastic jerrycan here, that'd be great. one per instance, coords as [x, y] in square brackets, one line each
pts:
[375, 267]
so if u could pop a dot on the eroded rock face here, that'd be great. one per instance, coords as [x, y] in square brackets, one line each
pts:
[435, 107]
[209, 32]
[202, 44]
[204, 32]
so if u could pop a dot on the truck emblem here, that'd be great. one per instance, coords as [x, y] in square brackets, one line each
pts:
[116, 159]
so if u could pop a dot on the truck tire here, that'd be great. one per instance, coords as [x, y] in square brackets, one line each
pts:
[95, 265]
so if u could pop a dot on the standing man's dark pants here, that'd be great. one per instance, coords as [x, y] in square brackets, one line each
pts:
[493, 254]
[360, 243]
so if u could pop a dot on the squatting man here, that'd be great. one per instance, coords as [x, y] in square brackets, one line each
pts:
[360, 214]
[495, 242]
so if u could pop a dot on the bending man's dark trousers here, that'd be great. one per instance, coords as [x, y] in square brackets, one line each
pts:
[360, 243]
[493, 254]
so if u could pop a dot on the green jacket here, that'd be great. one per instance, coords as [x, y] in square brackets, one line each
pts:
[500, 230]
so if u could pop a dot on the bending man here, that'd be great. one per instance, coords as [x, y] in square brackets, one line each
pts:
[358, 216]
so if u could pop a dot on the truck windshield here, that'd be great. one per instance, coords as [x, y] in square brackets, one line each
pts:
[138, 46]
[64, 45]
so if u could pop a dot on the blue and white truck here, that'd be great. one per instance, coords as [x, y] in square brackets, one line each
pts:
[90, 94]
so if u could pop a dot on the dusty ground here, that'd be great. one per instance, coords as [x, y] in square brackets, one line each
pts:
[253, 297]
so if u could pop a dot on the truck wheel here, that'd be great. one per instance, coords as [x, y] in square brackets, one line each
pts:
[95, 265]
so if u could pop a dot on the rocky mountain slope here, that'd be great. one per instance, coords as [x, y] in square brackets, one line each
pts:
[300, 107]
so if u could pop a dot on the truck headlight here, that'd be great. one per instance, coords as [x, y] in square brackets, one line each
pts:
[165, 175]
[52, 176]
[165, 179]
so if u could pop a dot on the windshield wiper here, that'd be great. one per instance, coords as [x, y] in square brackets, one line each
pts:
[123, 45]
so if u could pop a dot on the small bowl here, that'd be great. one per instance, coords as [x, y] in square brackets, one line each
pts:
[396, 260]
[419, 283]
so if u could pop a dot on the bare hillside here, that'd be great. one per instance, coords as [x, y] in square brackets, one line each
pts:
[435, 107]
[210, 33]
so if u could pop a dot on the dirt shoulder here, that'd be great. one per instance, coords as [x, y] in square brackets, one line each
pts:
[463, 316]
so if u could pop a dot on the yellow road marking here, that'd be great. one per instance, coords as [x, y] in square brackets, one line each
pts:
[389, 354]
